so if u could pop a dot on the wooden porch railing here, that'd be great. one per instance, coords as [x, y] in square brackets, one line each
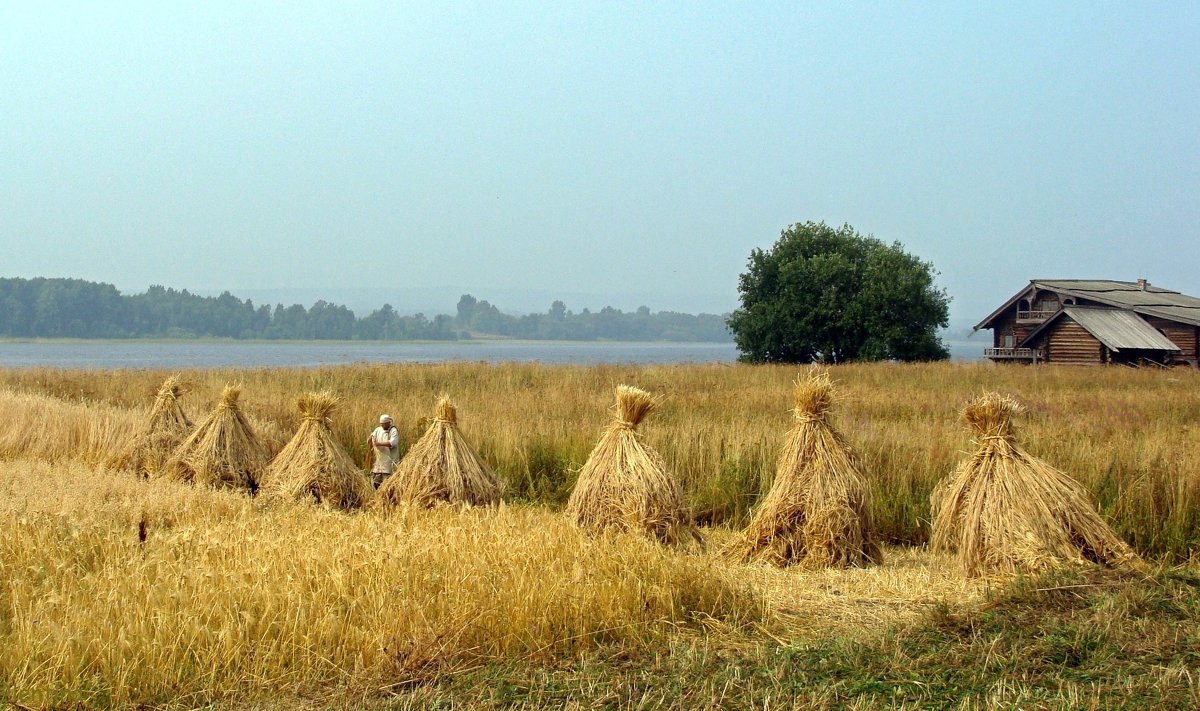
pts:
[1013, 353]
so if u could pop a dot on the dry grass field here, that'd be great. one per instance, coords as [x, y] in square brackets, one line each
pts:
[1132, 437]
[116, 591]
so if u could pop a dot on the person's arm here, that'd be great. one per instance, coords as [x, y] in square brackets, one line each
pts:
[394, 441]
[371, 439]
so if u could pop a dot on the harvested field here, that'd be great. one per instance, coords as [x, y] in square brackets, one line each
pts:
[1131, 438]
[624, 485]
[817, 512]
[165, 427]
[132, 591]
[441, 468]
[116, 591]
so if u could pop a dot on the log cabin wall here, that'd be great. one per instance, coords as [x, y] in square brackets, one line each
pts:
[1068, 342]
[1181, 334]
[1007, 323]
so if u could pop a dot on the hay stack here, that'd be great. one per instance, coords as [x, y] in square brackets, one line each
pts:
[816, 514]
[313, 466]
[223, 452]
[624, 485]
[1005, 510]
[162, 432]
[441, 468]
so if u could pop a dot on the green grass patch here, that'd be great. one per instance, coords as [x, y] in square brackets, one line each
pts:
[1069, 640]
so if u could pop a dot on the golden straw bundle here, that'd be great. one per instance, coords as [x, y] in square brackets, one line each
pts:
[313, 466]
[1005, 510]
[223, 452]
[163, 430]
[817, 513]
[624, 485]
[441, 468]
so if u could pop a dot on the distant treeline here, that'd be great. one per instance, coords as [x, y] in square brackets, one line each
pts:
[75, 308]
[608, 323]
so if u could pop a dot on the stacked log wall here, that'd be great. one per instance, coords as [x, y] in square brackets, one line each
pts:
[1008, 320]
[1068, 342]
[1181, 334]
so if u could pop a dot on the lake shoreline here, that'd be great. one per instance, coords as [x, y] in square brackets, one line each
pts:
[86, 354]
[321, 341]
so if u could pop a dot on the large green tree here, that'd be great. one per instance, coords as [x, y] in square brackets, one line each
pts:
[832, 295]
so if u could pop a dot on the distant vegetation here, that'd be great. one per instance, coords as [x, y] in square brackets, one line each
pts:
[75, 308]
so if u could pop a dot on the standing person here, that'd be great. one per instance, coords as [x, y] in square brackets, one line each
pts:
[386, 442]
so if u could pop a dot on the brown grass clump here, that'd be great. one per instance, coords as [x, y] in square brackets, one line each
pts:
[1005, 510]
[441, 468]
[313, 466]
[223, 452]
[817, 513]
[167, 426]
[624, 485]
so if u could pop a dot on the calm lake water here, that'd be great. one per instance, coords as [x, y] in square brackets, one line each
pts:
[189, 354]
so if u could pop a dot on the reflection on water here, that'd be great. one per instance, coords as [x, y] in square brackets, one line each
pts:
[192, 354]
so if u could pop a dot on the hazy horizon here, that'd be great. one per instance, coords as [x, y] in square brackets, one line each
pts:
[443, 300]
[623, 155]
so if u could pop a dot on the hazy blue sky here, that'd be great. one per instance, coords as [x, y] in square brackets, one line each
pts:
[619, 153]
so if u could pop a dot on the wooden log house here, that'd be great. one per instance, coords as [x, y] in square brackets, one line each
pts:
[1095, 322]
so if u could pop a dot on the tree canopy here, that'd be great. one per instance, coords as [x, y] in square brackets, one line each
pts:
[832, 295]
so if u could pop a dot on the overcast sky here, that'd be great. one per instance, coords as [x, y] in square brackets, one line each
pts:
[618, 153]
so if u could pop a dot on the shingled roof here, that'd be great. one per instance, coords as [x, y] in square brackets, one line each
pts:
[1148, 301]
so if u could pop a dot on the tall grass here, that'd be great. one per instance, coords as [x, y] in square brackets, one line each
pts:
[118, 592]
[54, 430]
[1132, 437]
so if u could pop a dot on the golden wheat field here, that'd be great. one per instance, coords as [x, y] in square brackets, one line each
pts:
[115, 591]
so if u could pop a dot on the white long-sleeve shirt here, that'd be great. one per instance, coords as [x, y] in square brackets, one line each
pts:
[385, 456]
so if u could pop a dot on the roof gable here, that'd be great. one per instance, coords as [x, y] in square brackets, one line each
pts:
[1150, 301]
[986, 322]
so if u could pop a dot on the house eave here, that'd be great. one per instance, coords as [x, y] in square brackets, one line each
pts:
[1099, 298]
